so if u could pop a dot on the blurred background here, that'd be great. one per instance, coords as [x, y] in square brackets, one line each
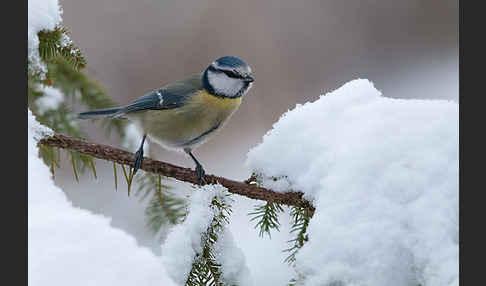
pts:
[298, 50]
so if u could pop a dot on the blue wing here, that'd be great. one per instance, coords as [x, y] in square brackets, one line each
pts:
[168, 97]
[156, 100]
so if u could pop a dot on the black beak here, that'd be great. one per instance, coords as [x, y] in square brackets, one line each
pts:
[249, 79]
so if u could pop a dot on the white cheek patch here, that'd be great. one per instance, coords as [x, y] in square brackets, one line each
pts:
[224, 84]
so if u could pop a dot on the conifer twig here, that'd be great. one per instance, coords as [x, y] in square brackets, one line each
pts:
[120, 156]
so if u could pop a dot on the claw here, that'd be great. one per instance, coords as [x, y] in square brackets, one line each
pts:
[199, 169]
[138, 161]
[200, 173]
[139, 157]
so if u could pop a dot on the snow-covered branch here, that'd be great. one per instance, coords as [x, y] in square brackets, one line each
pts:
[120, 156]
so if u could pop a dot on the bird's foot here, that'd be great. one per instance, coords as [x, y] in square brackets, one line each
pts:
[138, 160]
[200, 174]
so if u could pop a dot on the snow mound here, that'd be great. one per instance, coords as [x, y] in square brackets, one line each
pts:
[71, 246]
[184, 241]
[233, 261]
[383, 174]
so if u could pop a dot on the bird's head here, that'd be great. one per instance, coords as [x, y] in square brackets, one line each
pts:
[228, 77]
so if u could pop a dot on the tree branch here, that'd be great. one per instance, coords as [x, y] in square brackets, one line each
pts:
[183, 174]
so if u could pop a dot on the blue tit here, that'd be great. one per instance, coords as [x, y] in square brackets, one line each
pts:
[184, 114]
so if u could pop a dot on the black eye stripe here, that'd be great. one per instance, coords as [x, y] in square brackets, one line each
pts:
[231, 74]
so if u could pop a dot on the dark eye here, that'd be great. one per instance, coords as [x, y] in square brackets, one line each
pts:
[231, 74]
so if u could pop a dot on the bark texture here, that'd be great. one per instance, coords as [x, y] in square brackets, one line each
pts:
[120, 156]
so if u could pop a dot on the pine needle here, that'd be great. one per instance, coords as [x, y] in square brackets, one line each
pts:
[59, 157]
[56, 160]
[74, 167]
[300, 222]
[164, 209]
[53, 160]
[159, 189]
[115, 175]
[92, 165]
[267, 216]
[128, 177]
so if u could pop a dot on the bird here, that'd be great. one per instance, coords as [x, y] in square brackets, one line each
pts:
[184, 114]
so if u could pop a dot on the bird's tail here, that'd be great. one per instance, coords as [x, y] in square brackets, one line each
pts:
[107, 112]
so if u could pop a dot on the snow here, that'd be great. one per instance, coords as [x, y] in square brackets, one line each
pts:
[36, 130]
[263, 255]
[184, 240]
[42, 15]
[383, 175]
[233, 263]
[51, 100]
[71, 246]
[66, 41]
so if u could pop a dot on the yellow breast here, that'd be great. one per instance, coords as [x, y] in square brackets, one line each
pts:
[215, 104]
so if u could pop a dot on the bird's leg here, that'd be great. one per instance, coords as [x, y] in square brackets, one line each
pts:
[199, 168]
[139, 156]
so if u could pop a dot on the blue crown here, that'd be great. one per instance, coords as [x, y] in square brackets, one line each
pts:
[230, 62]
